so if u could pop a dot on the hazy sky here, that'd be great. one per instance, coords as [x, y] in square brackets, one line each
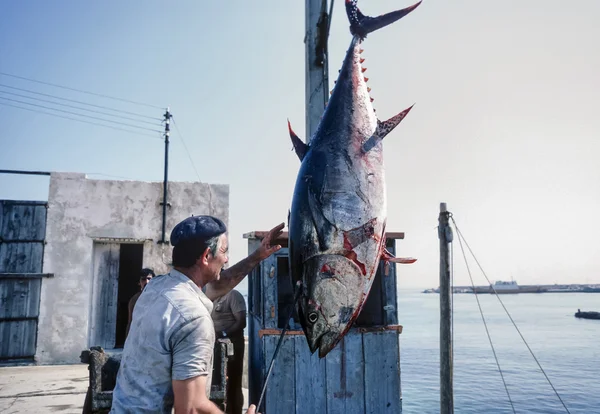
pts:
[505, 127]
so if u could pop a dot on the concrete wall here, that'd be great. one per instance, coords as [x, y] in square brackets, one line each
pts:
[81, 211]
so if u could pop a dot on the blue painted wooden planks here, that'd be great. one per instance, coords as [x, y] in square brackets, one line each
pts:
[382, 372]
[345, 376]
[281, 392]
[310, 379]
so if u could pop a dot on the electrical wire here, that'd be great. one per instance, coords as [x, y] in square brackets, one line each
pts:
[77, 107]
[80, 90]
[80, 120]
[76, 101]
[75, 113]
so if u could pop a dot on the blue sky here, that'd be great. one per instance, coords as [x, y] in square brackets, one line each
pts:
[504, 128]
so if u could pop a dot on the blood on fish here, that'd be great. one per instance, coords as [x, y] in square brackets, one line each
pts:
[352, 256]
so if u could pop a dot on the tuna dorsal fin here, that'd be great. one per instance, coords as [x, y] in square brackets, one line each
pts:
[362, 25]
[300, 147]
[384, 128]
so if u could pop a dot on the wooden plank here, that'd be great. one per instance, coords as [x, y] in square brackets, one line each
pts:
[345, 376]
[25, 275]
[23, 222]
[20, 298]
[310, 379]
[269, 292]
[389, 288]
[21, 257]
[283, 239]
[381, 352]
[104, 298]
[111, 296]
[280, 395]
[18, 339]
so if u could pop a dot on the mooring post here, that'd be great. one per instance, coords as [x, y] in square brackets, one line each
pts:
[446, 387]
[316, 82]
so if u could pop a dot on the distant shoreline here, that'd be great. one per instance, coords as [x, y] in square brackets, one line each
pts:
[555, 288]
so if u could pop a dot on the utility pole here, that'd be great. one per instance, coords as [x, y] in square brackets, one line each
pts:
[446, 354]
[317, 67]
[165, 202]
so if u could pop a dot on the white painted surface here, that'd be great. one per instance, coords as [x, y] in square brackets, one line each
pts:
[80, 211]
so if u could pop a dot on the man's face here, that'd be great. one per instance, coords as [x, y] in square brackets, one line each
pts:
[217, 262]
[144, 281]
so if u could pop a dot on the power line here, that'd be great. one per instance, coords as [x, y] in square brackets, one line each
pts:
[186, 149]
[75, 113]
[75, 101]
[81, 91]
[80, 120]
[77, 107]
[211, 205]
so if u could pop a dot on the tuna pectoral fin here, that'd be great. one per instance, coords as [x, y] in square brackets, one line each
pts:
[362, 25]
[300, 147]
[388, 257]
[325, 229]
[384, 128]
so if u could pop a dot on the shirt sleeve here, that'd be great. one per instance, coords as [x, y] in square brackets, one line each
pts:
[237, 303]
[192, 347]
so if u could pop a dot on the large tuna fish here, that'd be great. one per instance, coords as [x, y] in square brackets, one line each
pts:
[338, 215]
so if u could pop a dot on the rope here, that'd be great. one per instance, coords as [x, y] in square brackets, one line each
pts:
[262, 393]
[483, 319]
[510, 317]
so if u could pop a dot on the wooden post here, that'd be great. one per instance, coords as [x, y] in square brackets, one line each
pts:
[446, 388]
[316, 82]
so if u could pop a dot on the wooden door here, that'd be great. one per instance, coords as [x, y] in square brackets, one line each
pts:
[104, 295]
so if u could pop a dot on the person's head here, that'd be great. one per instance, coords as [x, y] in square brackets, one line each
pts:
[146, 275]
[200, 247]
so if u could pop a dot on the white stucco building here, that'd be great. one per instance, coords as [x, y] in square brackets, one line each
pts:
[99, 234]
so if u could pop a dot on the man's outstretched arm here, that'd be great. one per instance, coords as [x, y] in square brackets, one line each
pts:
[232, 276]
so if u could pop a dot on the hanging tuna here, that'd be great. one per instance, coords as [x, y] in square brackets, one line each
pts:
[338, 214]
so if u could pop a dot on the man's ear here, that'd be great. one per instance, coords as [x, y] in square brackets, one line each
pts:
[206, 254]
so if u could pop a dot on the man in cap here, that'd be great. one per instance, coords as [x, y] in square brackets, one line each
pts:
[168, 356]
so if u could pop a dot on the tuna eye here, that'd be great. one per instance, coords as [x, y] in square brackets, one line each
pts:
[313, 317]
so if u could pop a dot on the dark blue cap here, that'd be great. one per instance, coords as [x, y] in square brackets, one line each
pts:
[197, 228]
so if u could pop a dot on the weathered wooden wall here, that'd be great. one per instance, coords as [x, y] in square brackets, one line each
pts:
[360, 375]
[22, 233]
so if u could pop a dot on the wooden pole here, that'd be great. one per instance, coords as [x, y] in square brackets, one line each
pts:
[316, 82]
[446, 387]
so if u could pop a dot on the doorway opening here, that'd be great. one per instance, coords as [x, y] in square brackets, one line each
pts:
[130, 265]
[117, 269]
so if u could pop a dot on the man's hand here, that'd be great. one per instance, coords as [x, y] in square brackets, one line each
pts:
[252, 409]
[235, 274]
[267, 246]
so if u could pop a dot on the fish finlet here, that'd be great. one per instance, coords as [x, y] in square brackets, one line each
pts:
[366, 79]
[368, 89]
[363, 70]
[372, 99]
[362, 60]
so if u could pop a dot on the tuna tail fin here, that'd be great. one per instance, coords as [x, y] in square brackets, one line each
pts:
[384, 128]
[361, 25]
[300, 147]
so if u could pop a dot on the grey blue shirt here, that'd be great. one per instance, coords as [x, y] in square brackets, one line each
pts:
[171, 338]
